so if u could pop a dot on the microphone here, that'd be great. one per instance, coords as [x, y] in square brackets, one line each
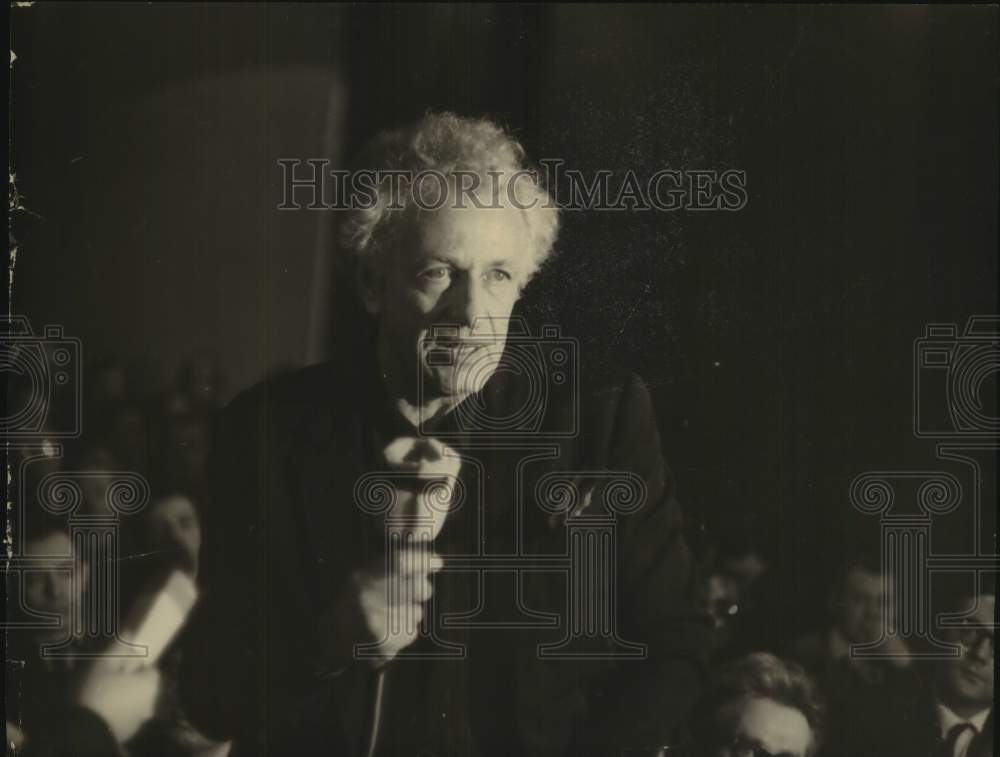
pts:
[425, 476]
[425, 487]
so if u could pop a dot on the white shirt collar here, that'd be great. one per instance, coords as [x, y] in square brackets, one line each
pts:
[947, 719]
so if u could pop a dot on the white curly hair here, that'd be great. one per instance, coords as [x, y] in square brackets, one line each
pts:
[448, 145]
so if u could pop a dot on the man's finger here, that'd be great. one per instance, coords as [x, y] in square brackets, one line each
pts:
[413, 588]
[412, 560]
[421, 589]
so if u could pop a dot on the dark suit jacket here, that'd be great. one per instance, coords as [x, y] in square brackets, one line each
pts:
[284, 531]
[901, 722]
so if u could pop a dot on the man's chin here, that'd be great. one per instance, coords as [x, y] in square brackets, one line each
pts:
[972, 682]
[962, 689]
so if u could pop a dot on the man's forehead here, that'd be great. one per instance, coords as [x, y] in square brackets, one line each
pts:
[775, 726]
[486, 234]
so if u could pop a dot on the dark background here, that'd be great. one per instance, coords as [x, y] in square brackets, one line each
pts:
[777, 341]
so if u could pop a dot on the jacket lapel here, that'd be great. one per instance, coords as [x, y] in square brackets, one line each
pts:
[335, 452]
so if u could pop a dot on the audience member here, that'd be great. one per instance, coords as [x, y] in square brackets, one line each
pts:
[855, 682]
[947, 710]
[171, 527]
[734, 568]
[65, 704]
[861, 612]
[758, 706]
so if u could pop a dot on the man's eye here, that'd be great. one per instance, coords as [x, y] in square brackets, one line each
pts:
[435, 274]
[498, 275]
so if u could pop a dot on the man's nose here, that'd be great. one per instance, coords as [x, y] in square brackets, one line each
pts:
[467, 300]
[982, 648]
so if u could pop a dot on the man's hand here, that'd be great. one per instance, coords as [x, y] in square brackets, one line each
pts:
[125, 700]
[390, 600]
[426, 474]
[382, 606]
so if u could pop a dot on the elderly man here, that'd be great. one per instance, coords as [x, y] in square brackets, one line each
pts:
[855, 685]
[309, 637]
[859, 605]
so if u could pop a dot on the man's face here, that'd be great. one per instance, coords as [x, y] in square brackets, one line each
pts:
[966, 682]
[761, 725]
[51, 590]
[861, 606]
[445, 299]
[174, 521]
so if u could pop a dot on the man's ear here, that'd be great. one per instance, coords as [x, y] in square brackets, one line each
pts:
[370, 281]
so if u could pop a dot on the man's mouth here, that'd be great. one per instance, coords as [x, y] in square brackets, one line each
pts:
[449, 354]
[461, 348]
[975, 676]
[456, 346]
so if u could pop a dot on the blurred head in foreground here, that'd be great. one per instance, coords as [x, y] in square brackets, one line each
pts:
[758, 706]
